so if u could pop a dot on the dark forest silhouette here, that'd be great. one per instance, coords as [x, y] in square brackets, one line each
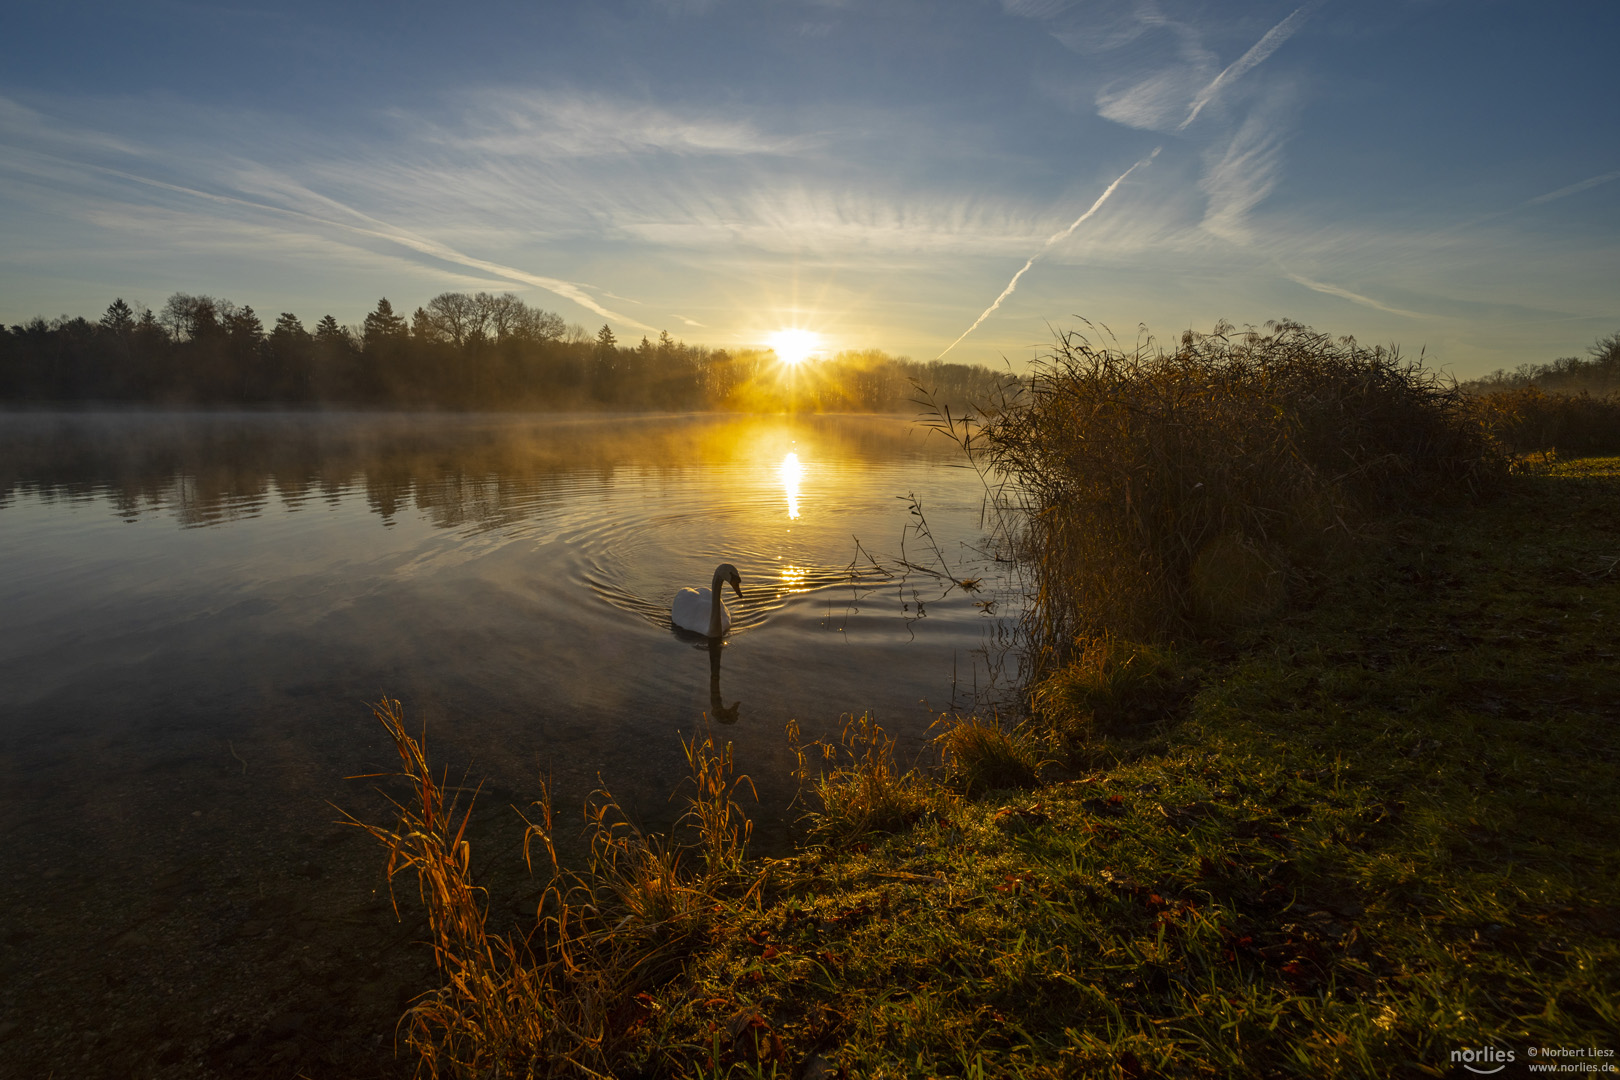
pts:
[458, 351]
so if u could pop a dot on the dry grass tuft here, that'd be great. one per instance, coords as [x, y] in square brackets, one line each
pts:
[722, 828]
[858, 783]
[568, 998]
[985, 754]
[1110, 687]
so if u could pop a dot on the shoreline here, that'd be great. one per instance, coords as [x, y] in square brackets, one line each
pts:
[1349, 852]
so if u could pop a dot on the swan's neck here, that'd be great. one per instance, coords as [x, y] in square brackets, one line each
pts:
[715, 627]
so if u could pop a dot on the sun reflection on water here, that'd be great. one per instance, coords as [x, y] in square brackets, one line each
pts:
[794, 579]
[792, 472]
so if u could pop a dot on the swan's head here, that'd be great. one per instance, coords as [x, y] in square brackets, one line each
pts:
[725, 573]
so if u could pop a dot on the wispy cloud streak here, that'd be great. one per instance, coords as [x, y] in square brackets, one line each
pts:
[1241, 176]
[1257, 53]
[1573, 189]
[1346, 294]
[1054, 238]
[524, 123]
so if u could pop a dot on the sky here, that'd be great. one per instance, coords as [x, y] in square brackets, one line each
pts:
[934, 179]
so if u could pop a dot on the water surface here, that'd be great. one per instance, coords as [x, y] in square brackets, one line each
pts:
[197, 609]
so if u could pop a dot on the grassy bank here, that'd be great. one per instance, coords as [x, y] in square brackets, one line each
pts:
[1378, 830]
[1315, 778]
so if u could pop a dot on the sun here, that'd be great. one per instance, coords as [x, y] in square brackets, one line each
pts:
[794, 346]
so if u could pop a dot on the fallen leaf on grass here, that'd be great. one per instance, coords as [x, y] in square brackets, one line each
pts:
[1033, 814]
[1113, 806]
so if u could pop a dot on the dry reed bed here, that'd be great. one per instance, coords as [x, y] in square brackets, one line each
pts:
[1528, 421]
[1154, 491]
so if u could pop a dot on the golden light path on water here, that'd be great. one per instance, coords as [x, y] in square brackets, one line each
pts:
[794, 578]
[792, 473]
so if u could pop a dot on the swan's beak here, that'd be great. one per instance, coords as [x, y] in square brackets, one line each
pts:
[736, 586]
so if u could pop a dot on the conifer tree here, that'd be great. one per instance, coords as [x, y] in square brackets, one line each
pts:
[383, 325]
[119, 319]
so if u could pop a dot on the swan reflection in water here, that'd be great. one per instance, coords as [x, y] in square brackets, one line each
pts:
[718, 709]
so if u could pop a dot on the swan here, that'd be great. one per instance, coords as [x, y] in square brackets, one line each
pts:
[701, 611]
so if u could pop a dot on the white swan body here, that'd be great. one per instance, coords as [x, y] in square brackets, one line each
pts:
[701, 611]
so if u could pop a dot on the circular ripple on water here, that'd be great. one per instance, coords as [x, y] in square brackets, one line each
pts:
[636, 542]
[637, 557]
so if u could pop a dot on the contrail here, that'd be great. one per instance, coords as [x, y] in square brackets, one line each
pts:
[1054, 238]
[1335, 290]
[383, 231]
[1261, 49]
[405, 238]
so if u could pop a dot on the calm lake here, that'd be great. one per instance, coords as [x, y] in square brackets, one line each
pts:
[196, 609]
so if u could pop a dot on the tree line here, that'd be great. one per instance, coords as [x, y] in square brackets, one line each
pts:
[1598, 374]
[457, 351]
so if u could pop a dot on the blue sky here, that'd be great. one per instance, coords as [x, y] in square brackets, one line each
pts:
[1443, 174]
